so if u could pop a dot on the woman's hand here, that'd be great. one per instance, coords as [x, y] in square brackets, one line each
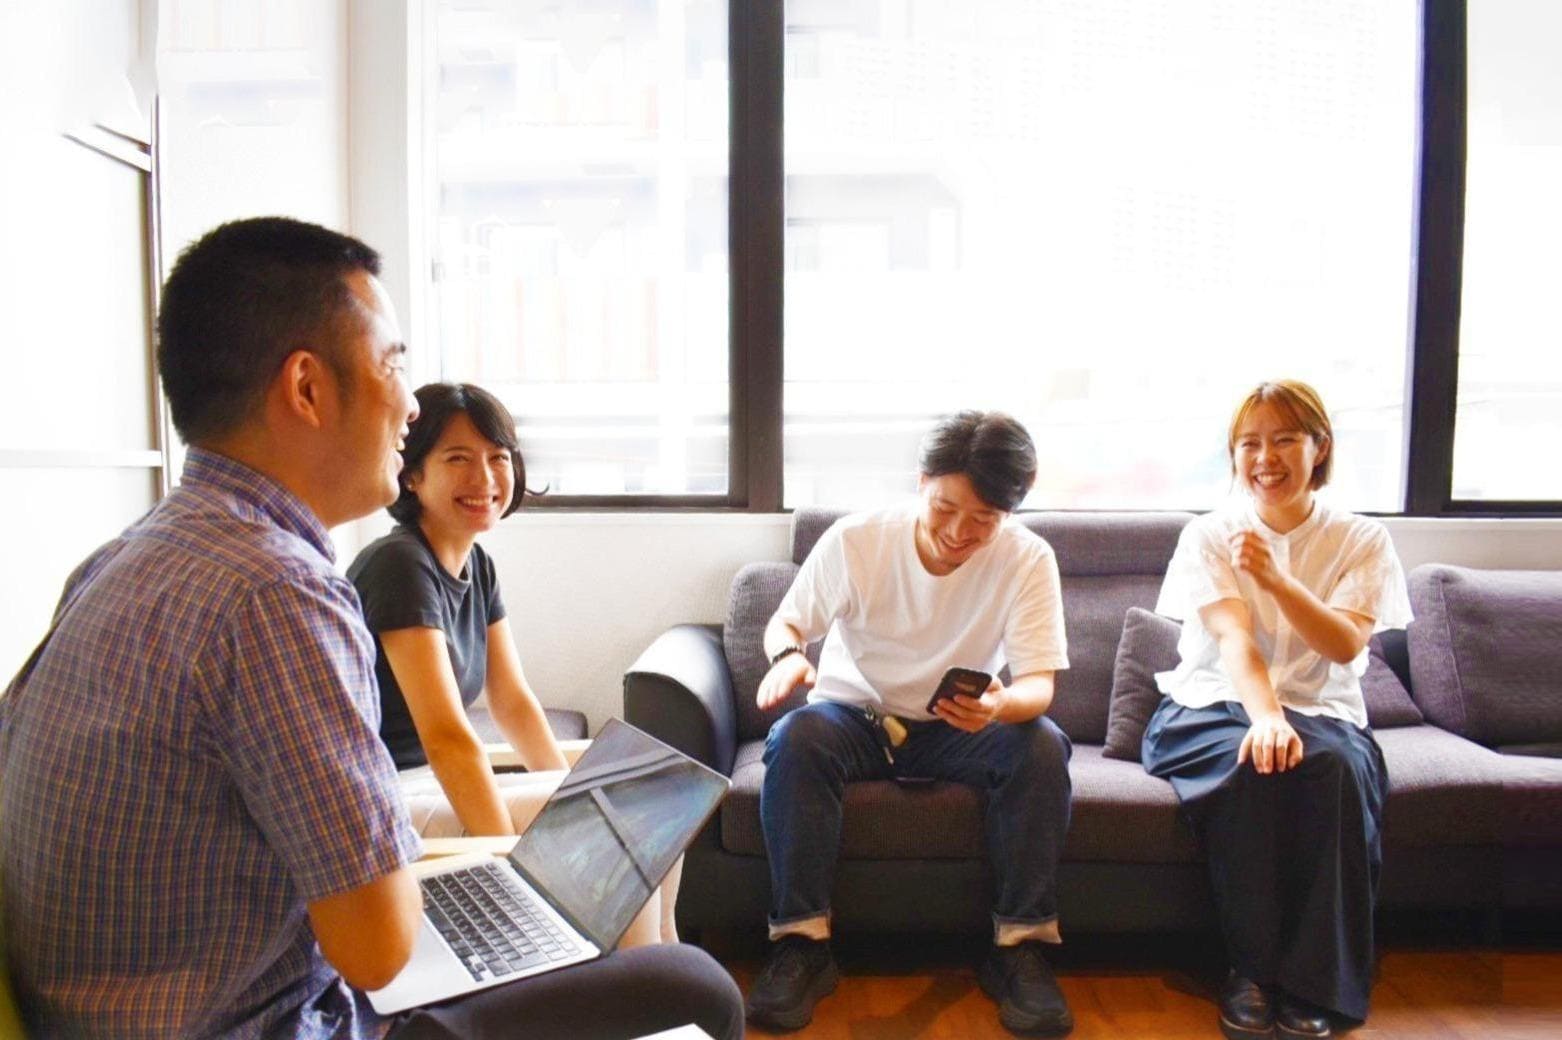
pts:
[1251, 555]
[784, 677]
[972, 714]
[1272, 744]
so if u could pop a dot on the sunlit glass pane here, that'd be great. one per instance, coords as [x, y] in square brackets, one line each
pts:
[580, 215]
[1107, 219]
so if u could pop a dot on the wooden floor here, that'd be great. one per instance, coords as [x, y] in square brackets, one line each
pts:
[1163, 988]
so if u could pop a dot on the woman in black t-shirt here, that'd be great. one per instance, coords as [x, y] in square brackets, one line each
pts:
[431, 598]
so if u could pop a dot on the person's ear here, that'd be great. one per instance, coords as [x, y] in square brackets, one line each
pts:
[302, 385]
[921, 482]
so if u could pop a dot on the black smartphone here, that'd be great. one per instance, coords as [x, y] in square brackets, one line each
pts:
[960, 680]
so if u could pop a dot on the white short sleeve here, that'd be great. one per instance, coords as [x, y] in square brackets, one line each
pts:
[821, 592]
[1033, 639]
[1373, 582]
[1199, 572]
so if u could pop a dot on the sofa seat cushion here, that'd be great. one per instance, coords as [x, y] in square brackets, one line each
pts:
[1123, 814]
[882, 819]
[1443, 790]
[1531, 802]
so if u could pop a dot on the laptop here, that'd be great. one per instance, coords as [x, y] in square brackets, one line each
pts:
[574, 881]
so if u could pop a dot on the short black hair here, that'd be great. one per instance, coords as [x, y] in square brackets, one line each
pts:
[239, 301]
[992, 450]
[438, 403]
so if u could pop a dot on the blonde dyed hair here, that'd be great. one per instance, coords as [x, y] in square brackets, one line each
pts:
[1302, 405]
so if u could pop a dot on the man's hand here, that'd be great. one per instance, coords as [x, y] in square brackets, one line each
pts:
[1272, 744]
[972, 714]
[1251, 555]
[784, 677]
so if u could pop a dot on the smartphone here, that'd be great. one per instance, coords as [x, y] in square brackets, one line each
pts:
[960, 680]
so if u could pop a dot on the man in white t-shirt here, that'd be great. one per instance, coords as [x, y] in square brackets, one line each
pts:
[900, 596]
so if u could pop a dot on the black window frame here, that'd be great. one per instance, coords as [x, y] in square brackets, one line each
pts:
[756, 221]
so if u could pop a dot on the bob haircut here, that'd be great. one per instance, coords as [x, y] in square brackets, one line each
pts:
[438, 403]
[992, 450]
[1302, 405]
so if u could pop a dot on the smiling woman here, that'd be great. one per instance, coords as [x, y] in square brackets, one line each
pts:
[1263, 731]
[431, 598]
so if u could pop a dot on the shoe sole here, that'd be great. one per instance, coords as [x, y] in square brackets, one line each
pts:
[1232, 1031]
[1291, 1034]
[797, 1018]
[992, 985]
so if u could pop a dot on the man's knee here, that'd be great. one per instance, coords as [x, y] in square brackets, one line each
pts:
[1042, 747]
[804, 731]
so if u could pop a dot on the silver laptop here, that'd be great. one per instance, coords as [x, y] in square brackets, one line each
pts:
[574, 881]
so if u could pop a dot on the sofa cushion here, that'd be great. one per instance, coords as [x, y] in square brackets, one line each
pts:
[808, 523]
[1443, 790]
[1486, 652]
[1531, 802]
[1123, 814]
[882, 819]
[1148, 645]
[1109, 543]
[1388, 702]
[756, 592]
[1093, 611]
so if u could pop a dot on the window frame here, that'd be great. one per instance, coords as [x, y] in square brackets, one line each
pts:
[756, 30]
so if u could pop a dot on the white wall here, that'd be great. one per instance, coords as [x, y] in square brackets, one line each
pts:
[79, 451]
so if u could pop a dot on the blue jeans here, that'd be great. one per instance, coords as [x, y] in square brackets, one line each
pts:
[812, 753]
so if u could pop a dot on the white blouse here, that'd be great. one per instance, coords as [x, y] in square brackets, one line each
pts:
[1347, 561]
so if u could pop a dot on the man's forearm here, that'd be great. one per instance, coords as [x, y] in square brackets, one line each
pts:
[1027, 697]
[779, 635]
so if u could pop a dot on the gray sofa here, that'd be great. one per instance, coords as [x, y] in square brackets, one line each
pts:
[1468, 824]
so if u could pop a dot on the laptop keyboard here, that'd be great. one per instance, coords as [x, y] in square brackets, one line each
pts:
[493, 924]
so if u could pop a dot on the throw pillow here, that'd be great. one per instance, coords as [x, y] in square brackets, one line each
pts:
[1388, 702]
[1148, 645]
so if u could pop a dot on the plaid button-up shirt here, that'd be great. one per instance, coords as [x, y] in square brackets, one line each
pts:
[192, 757]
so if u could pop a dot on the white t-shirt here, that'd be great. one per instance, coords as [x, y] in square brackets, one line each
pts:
[892, 629]
[1347, 561]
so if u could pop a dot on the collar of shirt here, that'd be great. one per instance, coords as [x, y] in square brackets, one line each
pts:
[1292, 537]
[285, 509]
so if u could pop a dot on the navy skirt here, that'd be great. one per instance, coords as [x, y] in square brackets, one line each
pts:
[1293, 857]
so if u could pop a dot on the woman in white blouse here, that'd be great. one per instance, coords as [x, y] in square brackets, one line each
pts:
[1263, 730]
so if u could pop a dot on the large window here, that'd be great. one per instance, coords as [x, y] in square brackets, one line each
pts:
[1109, 221]
[580, 234]
[1510, 338]
[755, 283]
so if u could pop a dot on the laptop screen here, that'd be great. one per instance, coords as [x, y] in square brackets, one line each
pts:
[613, 829]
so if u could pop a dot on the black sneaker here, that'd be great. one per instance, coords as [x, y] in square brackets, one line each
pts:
[1029, 1000]
[798, 972]
[1246, 1012]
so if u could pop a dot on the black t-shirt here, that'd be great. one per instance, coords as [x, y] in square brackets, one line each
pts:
[402, 585]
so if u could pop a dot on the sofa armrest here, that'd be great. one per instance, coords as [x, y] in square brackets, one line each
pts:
[680, 691]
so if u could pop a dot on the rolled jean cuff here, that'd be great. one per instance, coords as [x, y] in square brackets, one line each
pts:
[814, 926]
[1009, 932]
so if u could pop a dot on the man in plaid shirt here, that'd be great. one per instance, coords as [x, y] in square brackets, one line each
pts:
[201, 832]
